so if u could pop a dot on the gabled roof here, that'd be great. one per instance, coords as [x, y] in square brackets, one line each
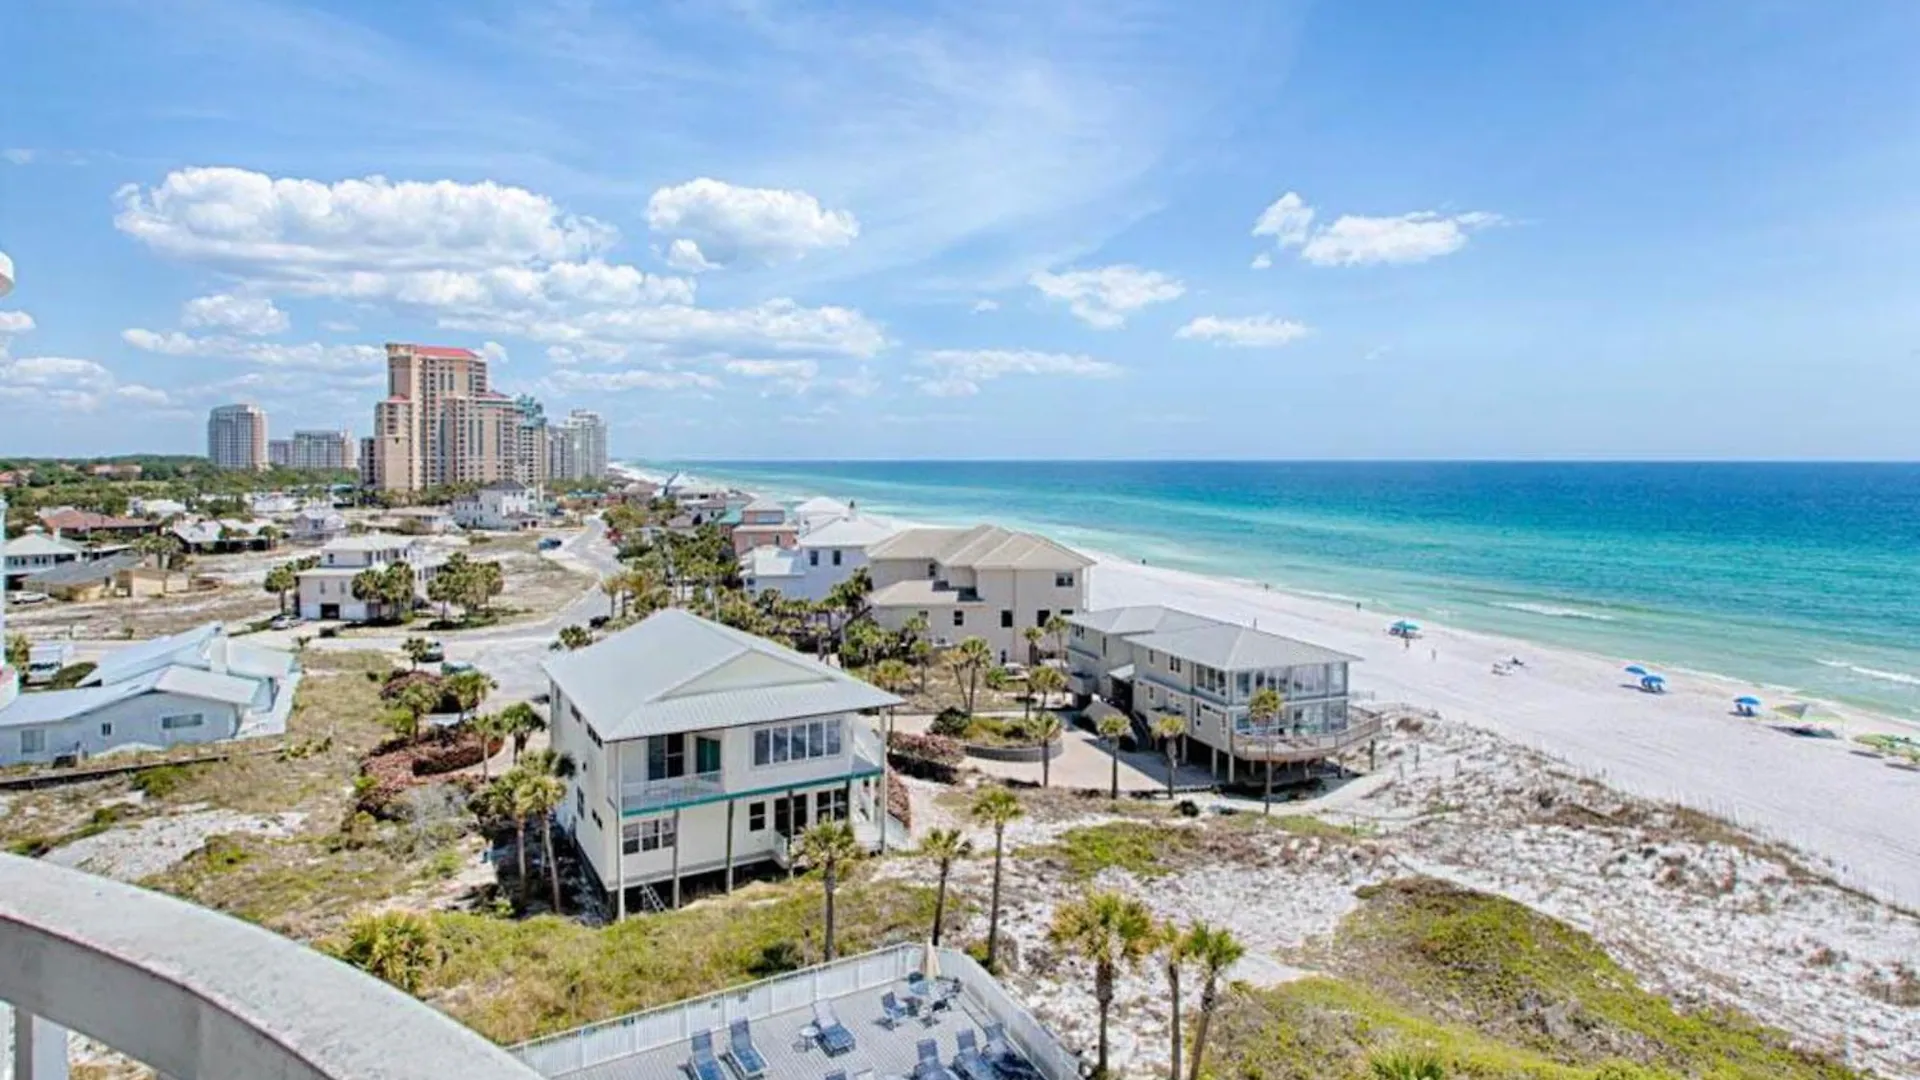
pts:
[1231, 647]
[368, 542]
[820, 504]
[763, 504]
[768, 561]
[80, 572]
[849, 532]
[30, 544]
[135, 660]
[1141, 619]
[677, 672]
[983, 547]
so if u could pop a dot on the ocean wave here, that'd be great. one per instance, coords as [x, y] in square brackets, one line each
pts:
[1900, 677]
[1553, 612]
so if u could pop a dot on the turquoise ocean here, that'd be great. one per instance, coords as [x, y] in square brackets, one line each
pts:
[1802, 576]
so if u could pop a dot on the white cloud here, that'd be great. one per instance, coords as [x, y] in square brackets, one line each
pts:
[685, 255]
[252, 315]
[723, 224]
[1253, 331]
[570, 380]
[775, 325]
[14, 322]
[860, 384]
[493, 352]
[338, 326]
[1287, 220]
[1261, 261]
[1410, 238]
[1102, 298]
[69, 384]
[959, 372]
[311, 355]
[985, 305]
[143, 395]
[792, 376]
[19, 155]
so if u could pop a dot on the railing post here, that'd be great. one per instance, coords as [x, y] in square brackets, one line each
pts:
[39, 1048]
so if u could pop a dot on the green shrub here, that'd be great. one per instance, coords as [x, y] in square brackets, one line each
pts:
[161, 780]
[950, 722]
[69, 677]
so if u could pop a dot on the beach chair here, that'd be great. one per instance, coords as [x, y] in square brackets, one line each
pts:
[834, 1036]
[892, 1011]
[745, 1057]
[929, 1066]
[837, 1074]
[968, 1061]
[701, 1064]
[1005, 1060]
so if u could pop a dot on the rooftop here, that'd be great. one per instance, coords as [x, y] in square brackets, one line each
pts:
[920, 591]
[82, 572]
[1230, 647]
[1140, 619]
[982, 547]
[764, 505]
[850, 532]
[654, 1045]
[439, 352]
[768, 561]
[678, 672]
[27, 545]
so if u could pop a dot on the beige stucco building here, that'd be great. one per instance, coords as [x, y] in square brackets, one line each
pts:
[985, 582]
[441, 423]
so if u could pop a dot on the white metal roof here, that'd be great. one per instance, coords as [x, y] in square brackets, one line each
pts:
[1139, 619]
[30, 544]
[135, 660]
[767, 561]
[849, 532]
[983, 547]
[1230, 647]
[677, 672]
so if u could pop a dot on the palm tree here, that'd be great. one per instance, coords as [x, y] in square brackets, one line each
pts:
[1046, 681]
[1034, 635]
[944, 847]
[1168, 728]
[996, 806]
[920, 651]
[1111, 932]
[892, 676]
[1056, 629]
[418, 701]
[470, 688]
[1111, 727]
[399, 947]
[1045, 728]
[545, 793]
[828, 845]
[1175, 953]
[574, 637]
[1406, 1065]
[1215, 950]
[969, 661]
[521, 721]
[416, 649]
[488, 726]
[281, 580]
[1262, 709]
[511, 797]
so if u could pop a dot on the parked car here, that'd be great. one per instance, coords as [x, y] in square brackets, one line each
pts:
[454, 667]
[435, 653]
[548, 543]
[28, 598]
[284, 622]
[597, 622]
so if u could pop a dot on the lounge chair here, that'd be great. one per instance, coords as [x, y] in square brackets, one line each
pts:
[837, 1074]
[742, 1054]
[968, 1061]
[893, 1011]
[834, 1036]
[1003, 1057]
[929, 1066]
[701, 1064]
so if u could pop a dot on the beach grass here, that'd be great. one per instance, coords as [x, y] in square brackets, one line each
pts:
[1495, 990]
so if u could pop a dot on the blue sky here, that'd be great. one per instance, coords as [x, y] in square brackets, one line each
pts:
[772, 230]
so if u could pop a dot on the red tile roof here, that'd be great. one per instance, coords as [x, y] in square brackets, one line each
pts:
[443, 352]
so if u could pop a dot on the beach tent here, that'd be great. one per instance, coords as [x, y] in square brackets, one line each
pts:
[1746, 704]
[1653, 684]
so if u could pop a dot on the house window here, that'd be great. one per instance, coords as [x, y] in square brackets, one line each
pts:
[706, 755]
[579, 800]
[830, 805]
[959, 617]
[933, 570]
[184, 720]
[813, 557]
[1173, 664]
[802, 741]
[106, 730]
[756, 816]
[666, 756]
[836, 556]
[649, 834]
[1066, 612]
[1063, 581]
[1006, 618]
[33, 740]
[790, 815]
[1040, 617]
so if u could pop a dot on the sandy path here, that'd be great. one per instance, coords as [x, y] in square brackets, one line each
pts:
[1855, 814]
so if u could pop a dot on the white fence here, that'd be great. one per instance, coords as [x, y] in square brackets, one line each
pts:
[671, 1025]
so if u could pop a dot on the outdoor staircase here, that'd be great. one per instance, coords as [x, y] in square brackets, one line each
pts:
[650, 901]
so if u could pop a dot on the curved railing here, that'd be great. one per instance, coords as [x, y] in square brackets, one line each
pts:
[193, 993]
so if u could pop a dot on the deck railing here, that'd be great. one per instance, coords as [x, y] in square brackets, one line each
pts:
[648, 794]
[668, 1025]
[1293, 744]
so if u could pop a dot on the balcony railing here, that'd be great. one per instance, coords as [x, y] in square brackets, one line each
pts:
[1295, 744]
[659, 794]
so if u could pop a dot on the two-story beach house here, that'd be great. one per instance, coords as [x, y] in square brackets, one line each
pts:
[500, 506]
[326, 590]
[761, 523]
[1151, 661]
[985, 582]
[701, 750]
[822, 557]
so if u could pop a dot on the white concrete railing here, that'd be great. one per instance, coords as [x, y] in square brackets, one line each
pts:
[669, 1025]
[193, 993]
[647, 794]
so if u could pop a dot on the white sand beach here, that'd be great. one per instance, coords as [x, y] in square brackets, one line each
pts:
[1851, 814]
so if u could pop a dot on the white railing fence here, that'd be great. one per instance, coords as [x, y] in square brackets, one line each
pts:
[673, 1024]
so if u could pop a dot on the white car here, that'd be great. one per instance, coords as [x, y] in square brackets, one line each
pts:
[28, 598]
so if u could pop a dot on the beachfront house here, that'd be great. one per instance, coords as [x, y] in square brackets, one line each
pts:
[34, 552]
[194, 687]
[760, 523]
[985, 582]
[1152, 661]
[822, 557]
[326, 591]
[701, 750]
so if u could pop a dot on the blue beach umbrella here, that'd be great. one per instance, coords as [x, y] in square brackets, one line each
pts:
[1749, 701]
[1405, 625]
[1636, 669]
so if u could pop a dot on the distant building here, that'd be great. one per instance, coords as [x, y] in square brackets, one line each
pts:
[34, 551]
[326, 591]
[195, 687]
[441, 423]
[504, 504]
[578, 447]
[71, 522]
[280, 453]
[317, 525]
[826, 555]
[237, 437]
[985, 582]
[331, 451]
[533, 459]
[116, 470]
